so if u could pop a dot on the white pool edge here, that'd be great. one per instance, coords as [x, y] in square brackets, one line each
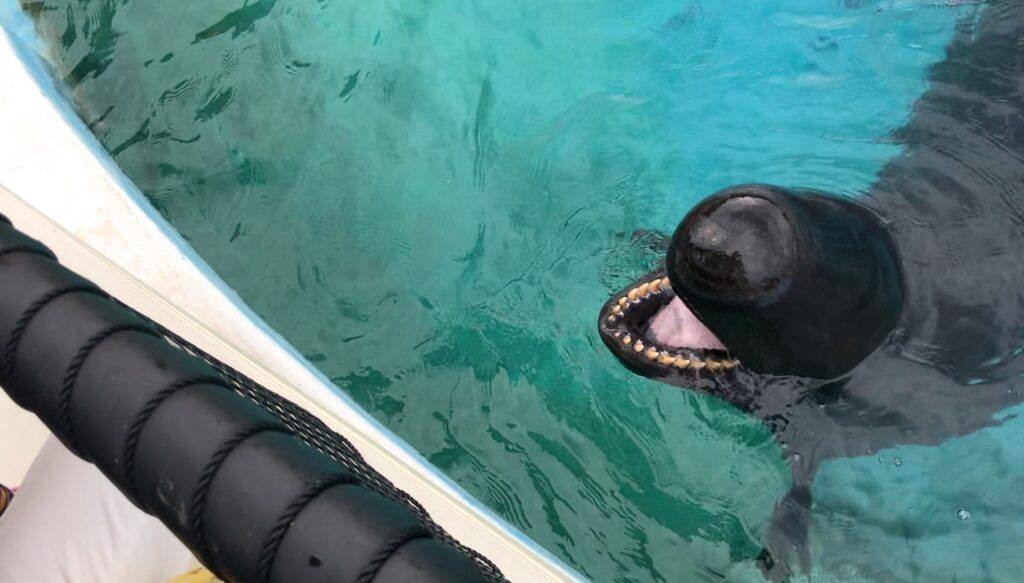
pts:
[61, 187]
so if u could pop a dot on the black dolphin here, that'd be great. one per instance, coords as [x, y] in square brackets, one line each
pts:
[851, 325]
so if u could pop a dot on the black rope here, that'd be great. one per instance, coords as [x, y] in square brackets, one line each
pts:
[142, 417]
[208, 473]
[64, 403]
[284, 522]
[33, 249]
[390, 547]
[23, 321]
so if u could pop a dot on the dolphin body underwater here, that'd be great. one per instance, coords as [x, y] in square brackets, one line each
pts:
[852, 325]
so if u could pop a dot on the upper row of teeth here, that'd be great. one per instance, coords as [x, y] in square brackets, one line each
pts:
[638, 293]
[678, 361]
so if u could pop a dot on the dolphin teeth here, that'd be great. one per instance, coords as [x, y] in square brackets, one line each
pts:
[627, 340]
[633, 293]
[666, 358]
[697, 364]
[644, 289]
[655, 286]
[680, 362]
[623, 300]
[665, 283]
[617, 309]
[714, 365]
[639, 346]
[652, 353]
[611, 317]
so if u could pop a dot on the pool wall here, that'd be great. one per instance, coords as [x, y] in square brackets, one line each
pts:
[61, 187]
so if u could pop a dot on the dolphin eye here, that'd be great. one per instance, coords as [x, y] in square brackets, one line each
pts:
[738, 251]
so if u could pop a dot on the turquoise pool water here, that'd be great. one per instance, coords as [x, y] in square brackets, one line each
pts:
[432, 200]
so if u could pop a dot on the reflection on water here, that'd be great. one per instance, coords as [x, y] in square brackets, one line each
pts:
[431, 200]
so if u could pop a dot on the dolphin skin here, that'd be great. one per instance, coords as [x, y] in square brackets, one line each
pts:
[852, 325]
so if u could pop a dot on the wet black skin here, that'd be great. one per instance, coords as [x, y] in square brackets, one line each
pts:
[893, 318]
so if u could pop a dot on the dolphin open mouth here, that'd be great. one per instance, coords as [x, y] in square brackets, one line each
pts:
[652, 331]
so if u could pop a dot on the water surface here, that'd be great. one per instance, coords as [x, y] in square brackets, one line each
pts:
[432, 200]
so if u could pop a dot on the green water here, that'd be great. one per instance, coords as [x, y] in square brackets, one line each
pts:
[432, 200]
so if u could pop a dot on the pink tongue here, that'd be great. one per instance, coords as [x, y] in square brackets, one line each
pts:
[676, 326]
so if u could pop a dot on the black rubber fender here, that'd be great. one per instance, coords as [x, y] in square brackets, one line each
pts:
[253, 501]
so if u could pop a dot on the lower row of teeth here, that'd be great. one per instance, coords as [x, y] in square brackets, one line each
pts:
[678, 361]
